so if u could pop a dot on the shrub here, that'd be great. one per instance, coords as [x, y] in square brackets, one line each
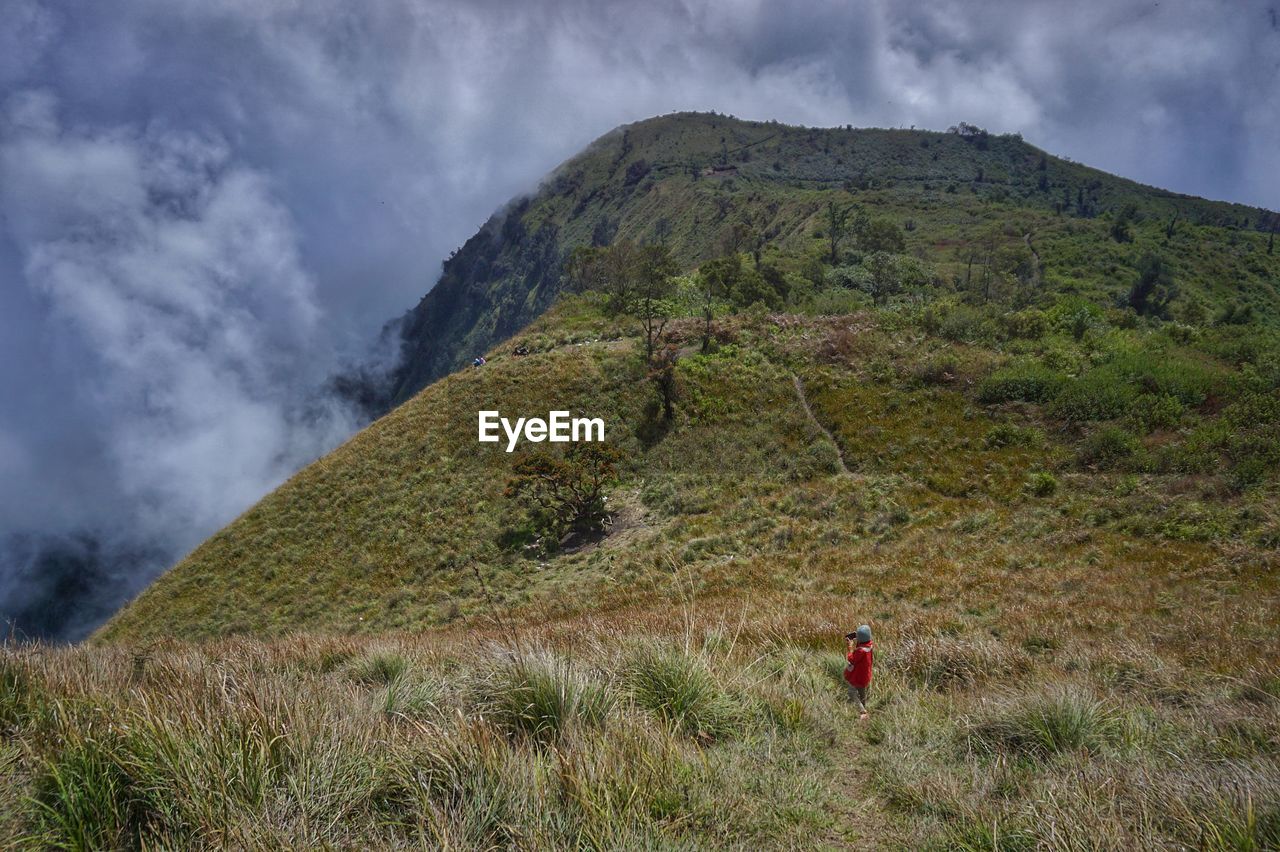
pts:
[1150, 411]
[1154, 287]
[1106, 447]
[566, 493]
[849, 278]
[881, 235]
[936, 371]
[1164, 373]
[1042, 484]
[1075, 316]
[1009, 435]
[1026, 381]
[837, 302]
[1095, 396]
[1030, 324]
[961, 323]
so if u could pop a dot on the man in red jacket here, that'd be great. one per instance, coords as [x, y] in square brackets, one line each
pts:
[858, 673]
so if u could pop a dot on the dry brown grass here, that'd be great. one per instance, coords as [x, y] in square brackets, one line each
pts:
[713, 722]
[1097, 664]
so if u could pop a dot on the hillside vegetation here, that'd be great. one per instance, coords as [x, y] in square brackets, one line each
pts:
[1038, 452]
[964, 199]
[1077, 619]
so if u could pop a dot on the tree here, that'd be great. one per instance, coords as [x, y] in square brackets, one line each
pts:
[654, 271]
[887, 274]
[1151, 294]
[837, 227]
[883, 280]
[726, 277]
[565, 494]
[715, 280]
[662, 373]
[989, 243]
[632, 278]
[743, 236]
[881, 235]
[970, 133]
[1121, 232]
[662, 230]
[604, 270]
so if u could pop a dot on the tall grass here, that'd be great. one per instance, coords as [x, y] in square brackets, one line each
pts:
[686, 729]
[1036, 679]
[542, 697]
[680, 689]
[1046, 724]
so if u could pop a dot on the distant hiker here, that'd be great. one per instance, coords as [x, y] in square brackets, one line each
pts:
[858, 673]
[479, 362]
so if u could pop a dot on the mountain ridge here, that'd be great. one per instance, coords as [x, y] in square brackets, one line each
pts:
[509, 272]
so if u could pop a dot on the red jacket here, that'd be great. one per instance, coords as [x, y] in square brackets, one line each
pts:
[858, 672]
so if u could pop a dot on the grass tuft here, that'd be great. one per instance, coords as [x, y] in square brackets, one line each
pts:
[681, 690]
[1047, 724]
[542, 697]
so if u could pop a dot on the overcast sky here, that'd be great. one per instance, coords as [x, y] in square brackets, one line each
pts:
[208, 206]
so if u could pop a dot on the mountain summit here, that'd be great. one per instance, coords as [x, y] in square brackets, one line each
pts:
[687, 179]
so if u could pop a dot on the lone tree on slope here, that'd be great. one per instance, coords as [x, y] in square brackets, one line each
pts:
[565, 494]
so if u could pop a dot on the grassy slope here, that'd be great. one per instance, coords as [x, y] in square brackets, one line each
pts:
[389, 531]
[1098, 662]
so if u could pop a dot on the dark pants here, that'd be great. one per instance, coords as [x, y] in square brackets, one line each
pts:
[858, 694]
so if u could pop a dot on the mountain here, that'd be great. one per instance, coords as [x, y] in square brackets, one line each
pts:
[1033, 443]
[1008, 350]
[686, 179]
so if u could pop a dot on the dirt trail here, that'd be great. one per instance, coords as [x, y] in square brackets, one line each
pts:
[1039, 266]
[804, 402]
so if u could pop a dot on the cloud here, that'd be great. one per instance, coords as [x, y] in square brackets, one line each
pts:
[206, 208]
[191, 329]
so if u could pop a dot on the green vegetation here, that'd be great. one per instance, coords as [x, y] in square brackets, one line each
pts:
[565, 494]
[1059, 509]
[1065, 595]
[888, 212]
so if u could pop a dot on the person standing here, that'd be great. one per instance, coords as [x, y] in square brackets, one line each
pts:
[857, 674]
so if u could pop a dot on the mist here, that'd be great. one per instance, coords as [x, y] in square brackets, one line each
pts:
[209, 209]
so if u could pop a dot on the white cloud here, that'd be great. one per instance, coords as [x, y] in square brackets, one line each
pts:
[178, 269]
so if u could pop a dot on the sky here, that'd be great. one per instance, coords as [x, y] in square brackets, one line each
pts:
[210, 207]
